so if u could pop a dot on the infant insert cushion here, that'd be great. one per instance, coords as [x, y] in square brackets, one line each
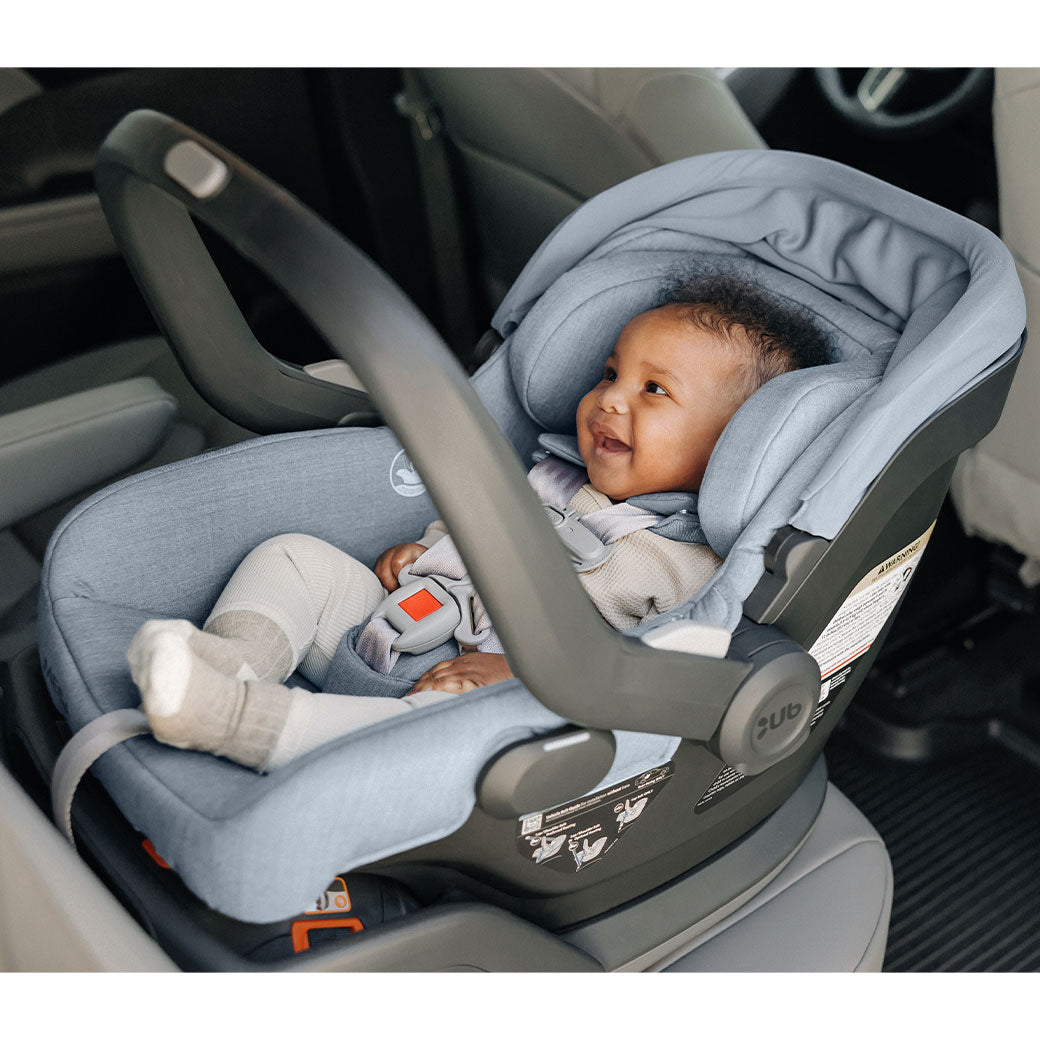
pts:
[890, 276]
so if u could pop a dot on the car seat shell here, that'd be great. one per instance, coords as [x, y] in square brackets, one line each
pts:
[930, 288]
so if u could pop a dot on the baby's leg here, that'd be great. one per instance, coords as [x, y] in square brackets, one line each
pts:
[318, 718]
[259, 724]
[286, 606]
[289, 603]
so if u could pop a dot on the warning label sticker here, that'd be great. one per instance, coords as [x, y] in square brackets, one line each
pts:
[570, 837]
[850, 634]
[861, 617]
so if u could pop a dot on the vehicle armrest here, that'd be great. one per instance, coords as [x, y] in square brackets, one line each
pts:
[52, 451]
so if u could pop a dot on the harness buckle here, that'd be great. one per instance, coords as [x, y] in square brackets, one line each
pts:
[428, 611]
[585, 549]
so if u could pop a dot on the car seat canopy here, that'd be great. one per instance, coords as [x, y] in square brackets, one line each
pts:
[887, 271]
[920, 304]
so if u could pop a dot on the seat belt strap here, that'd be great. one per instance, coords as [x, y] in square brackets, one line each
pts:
[82, 751]
[443, 218]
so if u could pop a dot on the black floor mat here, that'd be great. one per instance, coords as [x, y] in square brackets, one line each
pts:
[964, 838]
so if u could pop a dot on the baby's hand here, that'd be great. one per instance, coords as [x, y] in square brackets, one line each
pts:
[466, 672]
[394, 559]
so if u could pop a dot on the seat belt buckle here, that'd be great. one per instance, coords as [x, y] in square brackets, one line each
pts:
[422, 112]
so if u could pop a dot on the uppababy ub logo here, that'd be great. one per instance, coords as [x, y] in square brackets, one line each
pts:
[404, 478]
[788, 713]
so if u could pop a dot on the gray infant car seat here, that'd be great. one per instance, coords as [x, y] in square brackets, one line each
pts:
[820, 496]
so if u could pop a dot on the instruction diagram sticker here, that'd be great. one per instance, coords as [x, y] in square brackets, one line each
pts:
[852, 631]
[571, 837]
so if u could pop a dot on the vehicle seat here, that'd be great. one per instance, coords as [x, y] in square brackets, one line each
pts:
[101, 414]
[996, 487]
[536, 143]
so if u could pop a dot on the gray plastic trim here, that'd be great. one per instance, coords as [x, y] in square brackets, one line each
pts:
[54, 450]
[464, 937]
[334, 371]
[194, 169]
[52, 233]
[548, 770]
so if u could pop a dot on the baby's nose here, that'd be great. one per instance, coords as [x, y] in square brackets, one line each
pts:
[613, 398]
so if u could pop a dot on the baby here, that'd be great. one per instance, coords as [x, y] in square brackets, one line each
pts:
[676, 376]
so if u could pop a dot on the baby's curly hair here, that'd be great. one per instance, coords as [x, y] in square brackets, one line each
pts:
[783, 335]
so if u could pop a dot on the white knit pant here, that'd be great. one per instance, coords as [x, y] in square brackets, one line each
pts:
[314, 593]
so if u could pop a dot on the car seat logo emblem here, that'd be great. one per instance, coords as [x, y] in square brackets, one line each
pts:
[404, 478]
[788, 713]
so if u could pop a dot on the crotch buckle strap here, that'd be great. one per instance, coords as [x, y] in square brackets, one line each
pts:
[427, 611]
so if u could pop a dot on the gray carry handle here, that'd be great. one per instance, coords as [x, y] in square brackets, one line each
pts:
[191, 302]
[571, 660]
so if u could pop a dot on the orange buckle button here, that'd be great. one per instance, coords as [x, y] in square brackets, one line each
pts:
[420, 605]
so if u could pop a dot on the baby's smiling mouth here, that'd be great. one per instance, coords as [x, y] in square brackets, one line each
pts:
[606, 445]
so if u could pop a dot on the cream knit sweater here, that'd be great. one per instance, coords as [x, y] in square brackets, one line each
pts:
[644, 576]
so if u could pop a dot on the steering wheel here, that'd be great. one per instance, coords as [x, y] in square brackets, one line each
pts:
[868, 108]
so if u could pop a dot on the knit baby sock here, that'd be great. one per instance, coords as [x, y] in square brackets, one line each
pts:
[190, 703]
[253, 637]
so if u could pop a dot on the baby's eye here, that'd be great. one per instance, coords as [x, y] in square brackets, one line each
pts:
[655, 388]
[609, 375]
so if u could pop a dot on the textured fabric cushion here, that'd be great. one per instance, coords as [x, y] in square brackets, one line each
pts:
[558, 351]
[767, 436]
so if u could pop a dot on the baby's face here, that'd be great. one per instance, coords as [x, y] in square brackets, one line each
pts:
[665, 397]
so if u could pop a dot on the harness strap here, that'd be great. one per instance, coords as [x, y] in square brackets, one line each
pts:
[555, 482]
[82, 751]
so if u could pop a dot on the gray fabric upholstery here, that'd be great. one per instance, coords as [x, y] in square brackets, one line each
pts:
[559, 349]
[827, 910]
[575, 323]
[767, 437]
[208, 817]
[920, 302]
